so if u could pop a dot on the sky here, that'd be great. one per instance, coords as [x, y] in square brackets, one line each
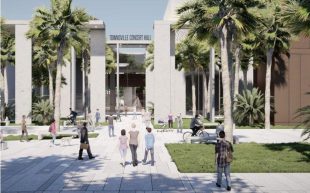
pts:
[120, 16]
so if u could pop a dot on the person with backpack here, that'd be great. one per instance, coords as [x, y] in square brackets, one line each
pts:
[223, 158]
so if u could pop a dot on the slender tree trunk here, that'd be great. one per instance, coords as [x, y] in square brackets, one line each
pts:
[237, 69]
[2, 93]
[245, 78]
[226, 78]
[50, 85]
[205, 94]
[267, 88]
[193, 93]
[58, 84]
[5, 88]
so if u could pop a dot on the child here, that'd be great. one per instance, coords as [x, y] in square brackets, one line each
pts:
[52, 130]
[123, 146]
[149, 145]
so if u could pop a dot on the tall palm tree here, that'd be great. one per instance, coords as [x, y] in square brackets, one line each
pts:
[64, 27]
[225, 20]
[149, 60]
[7, 58]
[297, 14]
[275, 38]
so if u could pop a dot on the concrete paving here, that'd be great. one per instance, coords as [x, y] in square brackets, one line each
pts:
[36, 167]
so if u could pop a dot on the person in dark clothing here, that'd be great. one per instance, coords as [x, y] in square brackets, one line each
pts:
[84, 139]
[195, 125]
[72, 116]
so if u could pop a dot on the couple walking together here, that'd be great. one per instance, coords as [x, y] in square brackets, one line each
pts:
[133, 144]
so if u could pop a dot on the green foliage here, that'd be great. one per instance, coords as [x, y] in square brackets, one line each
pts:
[42, 112]
[9, 111]
[304, 113]
[248, 158]
[110, 60]
[297, 14]
[149, 61]
[249, 107]
[7, 46]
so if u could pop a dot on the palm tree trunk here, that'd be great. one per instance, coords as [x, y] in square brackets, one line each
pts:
[267, 88]
[58, 84]
[2, 93]
[245, 78]
[226, 78]
[5, 88]
[237, 68]
[50, 85]
[193, 93]
[205, 94]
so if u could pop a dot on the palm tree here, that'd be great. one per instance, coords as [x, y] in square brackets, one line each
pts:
[275, 38]
[46, 56]
[224, 20]
[7, 58]
[297, 14]
[64, 27]
[110, 60]
[304, 113]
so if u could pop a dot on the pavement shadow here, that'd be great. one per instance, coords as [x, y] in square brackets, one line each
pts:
[38, 173]
[302, 148]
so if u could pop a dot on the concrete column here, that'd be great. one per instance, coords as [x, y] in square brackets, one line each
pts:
[128, 96]
[73, 79]
[97, 71]
[65, 102]
[23, 71]
[169, 94]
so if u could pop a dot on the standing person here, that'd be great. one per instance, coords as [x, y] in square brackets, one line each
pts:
[179, 122]
[24, 129]
[52, 130]
[111, 125]
[133, 143]
[195, 124]
[123, 146]
[72, 116]
[149, 145]
[84, 140]
[97, 116]
[170, 120]
[223, 158]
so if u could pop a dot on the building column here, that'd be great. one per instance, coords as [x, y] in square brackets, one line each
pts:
[169, 93]
[23, 73]
[97, 72]
[73, 79]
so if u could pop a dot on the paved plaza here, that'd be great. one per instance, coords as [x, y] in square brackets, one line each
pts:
[36, 167]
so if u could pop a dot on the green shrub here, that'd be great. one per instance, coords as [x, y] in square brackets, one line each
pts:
[42, 112]
[304, 113]
[249, 108]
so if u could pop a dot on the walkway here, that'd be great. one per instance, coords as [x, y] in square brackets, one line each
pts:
[36, 167]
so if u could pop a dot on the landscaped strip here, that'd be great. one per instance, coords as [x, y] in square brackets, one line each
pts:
[35, 137]
[248, 158]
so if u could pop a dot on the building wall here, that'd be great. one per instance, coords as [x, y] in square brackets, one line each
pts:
[290, 82]
[294, 74]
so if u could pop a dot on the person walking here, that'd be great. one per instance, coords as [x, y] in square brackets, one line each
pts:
[98, 117]
[179, 122]
[170, 120]
[52, 130]
[111, 125]
[133, 143]
[84, 143]
[223, 158]
[149, 145]
[123, 146]
[24, 129]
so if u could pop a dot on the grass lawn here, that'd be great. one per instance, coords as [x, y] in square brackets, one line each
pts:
[35, 137]
[248, 158]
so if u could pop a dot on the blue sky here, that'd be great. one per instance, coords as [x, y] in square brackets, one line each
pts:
[120, 16]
